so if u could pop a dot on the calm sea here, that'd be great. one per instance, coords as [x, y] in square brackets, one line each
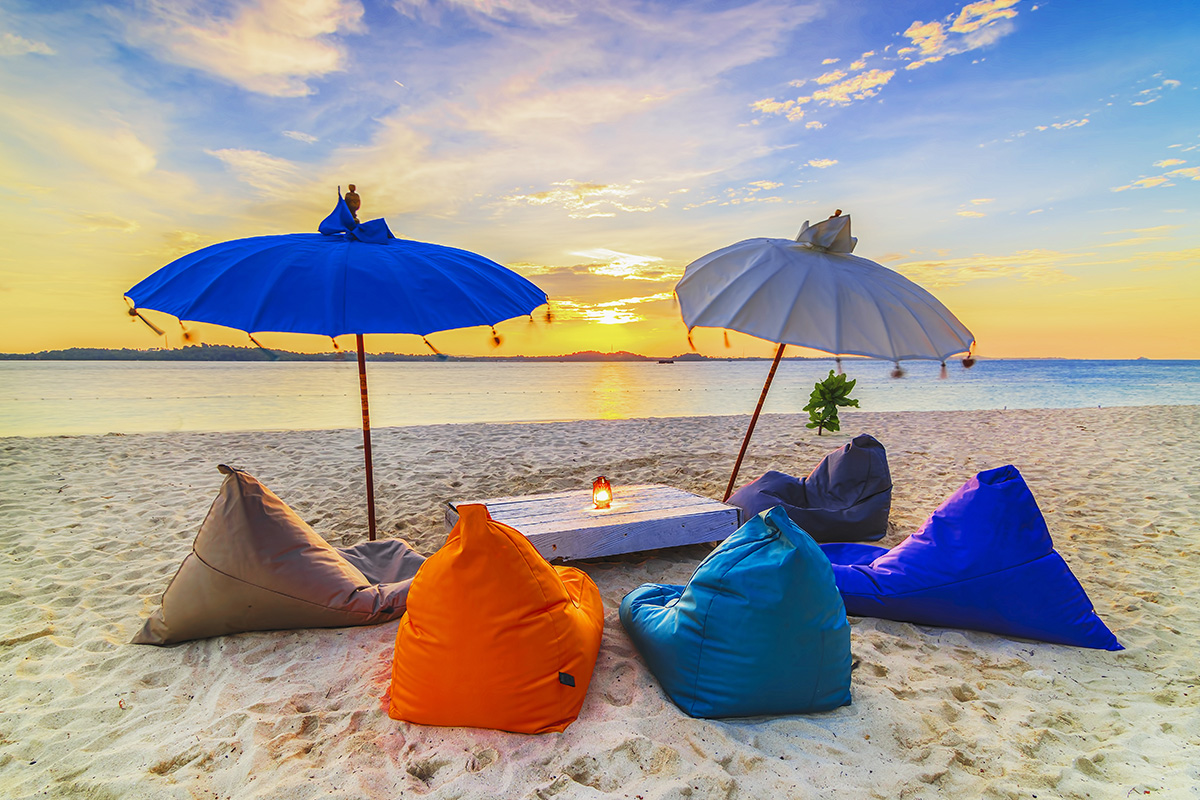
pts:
[45, 398]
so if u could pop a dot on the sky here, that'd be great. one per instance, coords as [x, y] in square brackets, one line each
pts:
[1035, 165]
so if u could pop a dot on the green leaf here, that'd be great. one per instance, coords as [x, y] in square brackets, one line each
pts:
[827, 395]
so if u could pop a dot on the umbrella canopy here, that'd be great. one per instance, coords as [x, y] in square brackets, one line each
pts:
[350, 278]
[813, 293]
[344, 281]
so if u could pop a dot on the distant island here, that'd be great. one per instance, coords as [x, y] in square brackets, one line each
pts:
[220, 352]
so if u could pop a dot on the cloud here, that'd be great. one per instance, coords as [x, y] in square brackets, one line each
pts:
[613, 312]
[13, 45]
[791, 109]
[840, 91]
[859, 87]
[92, 223]
[622, 265]
[1187, 172]
[627, 90]
[1059, 126]
[525, 11]
[972, 214]
[1145, 235]
[1152, 95]
[752, 192]
[1169, 162]
[1159, 261]
[301, 137]
[975, 26]
[814, 125]
[1144, 183]
[929, 37]
[271, 47]
[268, 174]
[1042, 266]
[982, 201]
[583, 200]
[976, 16]
[822, 163]
[1031, 266]
[108, 145]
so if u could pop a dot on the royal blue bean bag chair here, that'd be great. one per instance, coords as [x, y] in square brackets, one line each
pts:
[845, 499]
[759, 628]
[984, 560]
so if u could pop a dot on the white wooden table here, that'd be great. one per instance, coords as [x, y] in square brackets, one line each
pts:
[566, 525]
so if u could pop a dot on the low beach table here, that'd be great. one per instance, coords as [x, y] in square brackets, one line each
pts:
[566, 525]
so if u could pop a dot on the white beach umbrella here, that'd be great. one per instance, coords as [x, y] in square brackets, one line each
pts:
[813, 293]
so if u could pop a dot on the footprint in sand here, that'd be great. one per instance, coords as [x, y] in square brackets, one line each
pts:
[482, 759]
[620, 688]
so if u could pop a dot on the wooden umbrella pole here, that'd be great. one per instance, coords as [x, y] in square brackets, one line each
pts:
[366, 414]
[753, 421]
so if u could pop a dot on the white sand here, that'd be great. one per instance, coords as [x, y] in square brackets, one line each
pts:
[92, 528]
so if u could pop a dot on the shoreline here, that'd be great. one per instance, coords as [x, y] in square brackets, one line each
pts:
[93, 526]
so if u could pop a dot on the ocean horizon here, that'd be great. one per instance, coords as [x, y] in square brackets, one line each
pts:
[55, 398]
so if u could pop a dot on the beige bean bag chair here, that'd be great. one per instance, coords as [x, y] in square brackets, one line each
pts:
[256, 566]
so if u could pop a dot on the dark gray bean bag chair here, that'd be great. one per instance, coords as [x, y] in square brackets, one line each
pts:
[256, 566]
[847, 497]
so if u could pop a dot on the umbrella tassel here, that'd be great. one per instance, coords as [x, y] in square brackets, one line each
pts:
[691, 344]
[429, 344]
[133, 312]
[336, 346]
[943, 374]
[727, 345]
[549, 314]
[898, 372]
[271, 354]
[187, 335]
[838, 361]
[495, 338]
[969, 361]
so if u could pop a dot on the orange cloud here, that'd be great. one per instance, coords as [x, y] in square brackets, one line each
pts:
[978, 15]
[860, 87]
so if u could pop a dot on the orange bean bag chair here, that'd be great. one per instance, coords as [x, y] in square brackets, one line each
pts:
[495, 637]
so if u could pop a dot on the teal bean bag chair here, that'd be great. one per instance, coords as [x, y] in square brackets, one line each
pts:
[759, 629]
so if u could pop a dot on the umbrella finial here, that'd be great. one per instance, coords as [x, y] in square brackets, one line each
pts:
[829, 235]
[353, 201]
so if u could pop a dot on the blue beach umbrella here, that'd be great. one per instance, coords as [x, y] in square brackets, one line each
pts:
[350, 277]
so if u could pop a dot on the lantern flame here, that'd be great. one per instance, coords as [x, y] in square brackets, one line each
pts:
[601, 492]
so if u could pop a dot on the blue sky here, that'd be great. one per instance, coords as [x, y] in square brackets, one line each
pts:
[1034, 164]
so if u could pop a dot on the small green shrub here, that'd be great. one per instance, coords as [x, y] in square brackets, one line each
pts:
[823, 403]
